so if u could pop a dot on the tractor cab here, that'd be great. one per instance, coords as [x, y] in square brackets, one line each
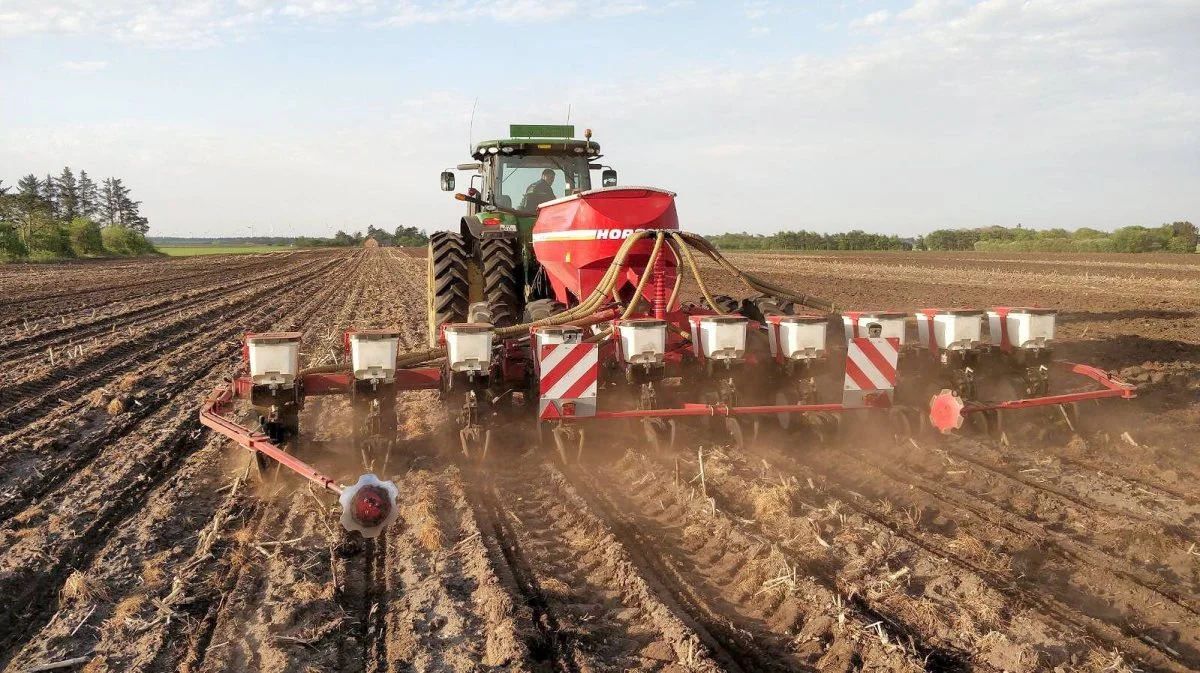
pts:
[487, 270]
[511, 177]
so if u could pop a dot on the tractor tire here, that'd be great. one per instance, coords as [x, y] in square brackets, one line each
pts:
[540, 309]
[448, 287]
[500, 260]
[724, 304]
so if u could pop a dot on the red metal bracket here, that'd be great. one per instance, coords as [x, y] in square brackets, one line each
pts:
[946, 409]
[211, 416]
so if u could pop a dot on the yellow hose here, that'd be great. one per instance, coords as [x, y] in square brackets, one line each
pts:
[691, 262]
[680, 243]
[641, 287]
[598, 296]
[646, 273]
[753, 282]
[678, 275]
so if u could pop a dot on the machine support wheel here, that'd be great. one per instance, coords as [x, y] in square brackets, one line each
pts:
[448, 287]
[500, 260]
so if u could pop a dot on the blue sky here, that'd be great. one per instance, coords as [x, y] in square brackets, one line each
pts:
[227, 116]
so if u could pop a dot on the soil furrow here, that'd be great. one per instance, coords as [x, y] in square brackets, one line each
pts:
[588, 602]
[142, 313]
[981, 561]
[25, 400]
[130, 478]
[735, 587]
[80, 450]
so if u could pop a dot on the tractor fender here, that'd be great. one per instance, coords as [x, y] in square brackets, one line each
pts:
[473, 229]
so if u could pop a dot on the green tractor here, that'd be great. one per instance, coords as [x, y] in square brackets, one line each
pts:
[486, 271]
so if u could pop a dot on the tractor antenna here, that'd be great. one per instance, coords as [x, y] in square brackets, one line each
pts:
[568, 114]
[471, 126]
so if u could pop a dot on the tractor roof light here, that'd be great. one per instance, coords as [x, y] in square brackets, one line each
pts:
[506, 150]
[493, 150]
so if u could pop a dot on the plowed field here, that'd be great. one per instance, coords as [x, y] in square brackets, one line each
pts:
[132, 539]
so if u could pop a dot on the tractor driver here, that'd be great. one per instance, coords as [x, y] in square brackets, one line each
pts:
[539, 192]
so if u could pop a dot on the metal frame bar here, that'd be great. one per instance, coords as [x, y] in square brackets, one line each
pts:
[256, 442]
[1112, 388]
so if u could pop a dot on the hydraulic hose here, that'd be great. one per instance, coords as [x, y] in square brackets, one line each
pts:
[691, 262]
[659, 238]
[641, 286]
[680, 242]
[702, 244]
[599, 295]
[588, 306]
[678, 276]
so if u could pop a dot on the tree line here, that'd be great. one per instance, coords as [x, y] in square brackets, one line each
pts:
[811, 240]
[70, 216]
[1181, 237]
[1178, 237]
[402, 236]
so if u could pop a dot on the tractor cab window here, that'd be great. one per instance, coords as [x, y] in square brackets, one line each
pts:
[523, 182]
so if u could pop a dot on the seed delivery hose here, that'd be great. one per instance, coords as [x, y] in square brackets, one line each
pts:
[679, 242]
[599, 295]
[702, 244]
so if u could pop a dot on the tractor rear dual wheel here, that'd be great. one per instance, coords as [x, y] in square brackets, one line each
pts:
[449, 286]
[503, 288]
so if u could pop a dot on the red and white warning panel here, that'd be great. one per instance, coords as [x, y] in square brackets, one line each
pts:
[569, 374]
[870, 372]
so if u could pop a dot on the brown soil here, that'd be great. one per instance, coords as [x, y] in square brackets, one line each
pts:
[133, 537]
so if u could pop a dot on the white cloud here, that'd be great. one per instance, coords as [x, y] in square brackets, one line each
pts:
[621, 8]
[204, 23]
[1083, 113]
[758, 9]
[84, 66]
[877, 18]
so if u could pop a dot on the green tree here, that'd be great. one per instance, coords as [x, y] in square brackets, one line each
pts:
[68, 195]
[125, 241]
[130, 215]
[30, 211]
[410, 237]
[1135, 239]
[50, 195]
[384, 237]
[85, 237]
[1187, 235]
[112, 195]
[89, 196]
